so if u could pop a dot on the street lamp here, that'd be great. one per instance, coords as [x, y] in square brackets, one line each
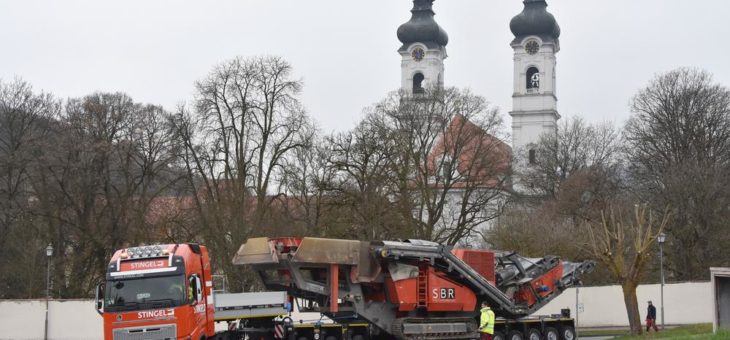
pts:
[49, 253]
[661, 238]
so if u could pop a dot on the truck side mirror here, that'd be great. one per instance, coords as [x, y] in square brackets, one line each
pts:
[99, 304]
[198, 288]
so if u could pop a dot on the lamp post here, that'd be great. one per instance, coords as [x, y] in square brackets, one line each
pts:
[49, 253]
[661, 238]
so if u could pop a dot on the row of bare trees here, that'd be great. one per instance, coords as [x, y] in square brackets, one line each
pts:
[79, 175]
[93, 174]
[243, 159]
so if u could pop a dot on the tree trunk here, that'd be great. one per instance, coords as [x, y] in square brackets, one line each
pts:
[632, 307]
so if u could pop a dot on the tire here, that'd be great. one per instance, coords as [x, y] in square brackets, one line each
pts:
[358, 337]
[533, 334]
[302, 338]
[330, 337]
[551, 334]
[515, 335]
[567, 333]
[498, 336]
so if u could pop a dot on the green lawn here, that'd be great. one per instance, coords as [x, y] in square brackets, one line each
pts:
[701, 331]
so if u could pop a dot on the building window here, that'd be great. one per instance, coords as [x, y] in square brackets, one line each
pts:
[533, 78]
[533, 156]
[418, 83]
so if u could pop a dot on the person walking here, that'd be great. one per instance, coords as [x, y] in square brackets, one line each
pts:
[651, 318]
[486, 322]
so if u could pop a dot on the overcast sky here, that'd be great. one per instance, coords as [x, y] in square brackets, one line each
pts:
[346, 50]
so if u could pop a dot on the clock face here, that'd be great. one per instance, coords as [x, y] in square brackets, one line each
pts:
[418, 54]
[532, 47]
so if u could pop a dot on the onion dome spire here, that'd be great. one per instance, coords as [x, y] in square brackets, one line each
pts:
[535, 20]
[422, 27]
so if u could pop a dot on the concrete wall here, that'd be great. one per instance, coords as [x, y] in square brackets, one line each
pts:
[67, 320]
[685, 303]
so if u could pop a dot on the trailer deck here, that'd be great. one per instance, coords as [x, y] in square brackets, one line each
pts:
[237, 306]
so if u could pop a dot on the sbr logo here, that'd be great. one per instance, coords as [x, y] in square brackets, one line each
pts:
[444, 294]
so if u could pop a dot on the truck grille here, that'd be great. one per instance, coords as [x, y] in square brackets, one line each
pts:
[161, 332]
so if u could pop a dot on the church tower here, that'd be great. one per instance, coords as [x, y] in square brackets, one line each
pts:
[424, 49]
[534, 101]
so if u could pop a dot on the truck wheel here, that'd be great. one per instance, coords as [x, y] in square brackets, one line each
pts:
[498, 336]
[358, 337]
[302, 338]
[567, 333]
[331, 337]
[551, 334]
[533, 334]
[515, 335]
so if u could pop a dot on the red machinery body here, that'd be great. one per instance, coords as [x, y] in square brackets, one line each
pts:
[435, 291]
[412, 289]
[158, 291]
[432, 291]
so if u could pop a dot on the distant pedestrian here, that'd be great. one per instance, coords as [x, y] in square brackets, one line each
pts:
[651, 318]
[486, 322]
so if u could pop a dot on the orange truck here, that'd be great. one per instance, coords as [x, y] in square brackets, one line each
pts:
[158, 292]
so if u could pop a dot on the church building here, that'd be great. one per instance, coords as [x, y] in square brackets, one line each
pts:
[536, 43]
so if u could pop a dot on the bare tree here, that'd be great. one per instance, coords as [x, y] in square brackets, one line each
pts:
[107, 159]
[247, 119]
[307, 179]
[363, 184]
[624, 246]
[450, 163]
[576, 146]
[25, 118]
[679, 149]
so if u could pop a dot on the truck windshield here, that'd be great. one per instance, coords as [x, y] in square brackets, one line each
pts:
[144, 293]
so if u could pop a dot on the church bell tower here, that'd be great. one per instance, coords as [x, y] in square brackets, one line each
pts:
[534, 100]
[424, 49]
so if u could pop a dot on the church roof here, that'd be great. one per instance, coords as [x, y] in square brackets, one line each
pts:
[482, 158]
[422, 28]
[535, 20]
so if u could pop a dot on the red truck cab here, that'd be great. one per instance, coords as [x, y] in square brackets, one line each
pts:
[157, 292]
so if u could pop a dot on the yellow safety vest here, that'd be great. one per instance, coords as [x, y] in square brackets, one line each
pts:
[486, 324]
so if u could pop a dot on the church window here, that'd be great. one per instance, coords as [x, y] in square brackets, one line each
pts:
[418, 83]
[533, 156]
[533, 78]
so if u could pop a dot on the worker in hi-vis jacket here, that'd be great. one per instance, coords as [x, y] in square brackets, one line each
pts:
[486, 322]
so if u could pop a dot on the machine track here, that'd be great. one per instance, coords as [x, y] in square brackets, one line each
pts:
[414, 328]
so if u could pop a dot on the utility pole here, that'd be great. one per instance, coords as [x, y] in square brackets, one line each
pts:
[577, 309]
[49, 253]
[661, 238]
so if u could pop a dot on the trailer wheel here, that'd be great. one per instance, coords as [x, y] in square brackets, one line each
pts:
[567, 333]
[498, 336]
[515, 335]
[533, 334]
[551, 334]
